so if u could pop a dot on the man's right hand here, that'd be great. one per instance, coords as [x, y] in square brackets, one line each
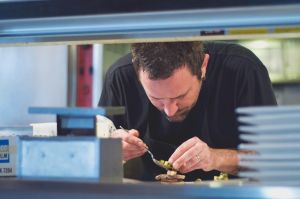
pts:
[132, 145]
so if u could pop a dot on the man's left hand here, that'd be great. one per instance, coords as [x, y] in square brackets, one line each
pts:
[191, 155]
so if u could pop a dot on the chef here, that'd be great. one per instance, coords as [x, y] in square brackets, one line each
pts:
[180, 100]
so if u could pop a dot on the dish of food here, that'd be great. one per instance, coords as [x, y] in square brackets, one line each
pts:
[170, 177]
[221, 177]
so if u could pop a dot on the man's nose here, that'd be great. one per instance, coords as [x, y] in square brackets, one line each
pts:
[170, 108]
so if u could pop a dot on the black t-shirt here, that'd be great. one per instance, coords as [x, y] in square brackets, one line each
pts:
[235, 77]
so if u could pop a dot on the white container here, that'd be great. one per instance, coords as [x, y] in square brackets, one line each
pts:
[44, 129]
[104, 127]
[8, 148]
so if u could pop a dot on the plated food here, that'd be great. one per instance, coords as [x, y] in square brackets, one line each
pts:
[166, 164]
[170, 177]
[221, 177]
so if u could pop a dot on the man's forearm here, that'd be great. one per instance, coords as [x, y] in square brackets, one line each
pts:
[226, 160]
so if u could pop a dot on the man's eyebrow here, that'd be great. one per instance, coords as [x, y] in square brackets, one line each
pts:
[155, 97]
[173, 97]
[181, 94]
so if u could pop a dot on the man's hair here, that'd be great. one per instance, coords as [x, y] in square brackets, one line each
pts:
[161, 59]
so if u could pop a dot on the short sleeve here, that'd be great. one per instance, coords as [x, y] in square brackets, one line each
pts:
[254, 87]
[111, 96]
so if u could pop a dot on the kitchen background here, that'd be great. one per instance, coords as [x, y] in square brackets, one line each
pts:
[46, 75]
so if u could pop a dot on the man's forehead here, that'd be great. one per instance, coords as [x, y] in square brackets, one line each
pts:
[175, 86]
[149, 74]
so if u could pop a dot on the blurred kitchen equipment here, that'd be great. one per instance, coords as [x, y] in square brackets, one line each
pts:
[70, 158]
[9, 148]
[44, 129]
[273, 133]
[104, 127]
[77, 120]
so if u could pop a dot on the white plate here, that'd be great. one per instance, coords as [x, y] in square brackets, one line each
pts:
[284, 175]
[265, 110]
[285, 118]
[270, 165]
[293, 146]
[280, 182]
[276, 157]
[270, 129]
[277, 152]
[266, 138]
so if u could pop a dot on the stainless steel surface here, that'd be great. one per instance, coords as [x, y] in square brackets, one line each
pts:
[69, 158]
[275, 140]
[72, 75]
[10, 188]
[98, 72]
[174, 25]
[75, 111]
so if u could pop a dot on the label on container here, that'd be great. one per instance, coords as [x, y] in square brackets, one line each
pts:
[4, 151]
[8, 155]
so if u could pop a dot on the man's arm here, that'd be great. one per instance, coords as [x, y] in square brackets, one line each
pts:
[226, 160]
[195, 154]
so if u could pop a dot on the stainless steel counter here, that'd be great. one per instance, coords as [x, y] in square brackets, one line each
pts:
[12, 188]
[171, 25]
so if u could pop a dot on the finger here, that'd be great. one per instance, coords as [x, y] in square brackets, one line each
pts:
[187, 156]
[190, 166]
[134, 140]
[134, 132]
[120, 133]
[128, 137]
[131, 157]
[203, 161]
[128, 156]
[127, 147]
[132, 153]
[186, 151]
[183, 148]
[135, 153]
[132, 147]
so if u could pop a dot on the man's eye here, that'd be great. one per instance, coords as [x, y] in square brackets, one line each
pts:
[181, 97]
[156, 99]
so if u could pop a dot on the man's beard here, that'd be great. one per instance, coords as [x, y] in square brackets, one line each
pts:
[178, 117]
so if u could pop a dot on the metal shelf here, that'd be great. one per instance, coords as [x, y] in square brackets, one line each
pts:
[205, 24]
[47, 190]
[16, 9]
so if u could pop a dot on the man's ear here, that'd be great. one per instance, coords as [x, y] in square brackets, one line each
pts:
[204, 66]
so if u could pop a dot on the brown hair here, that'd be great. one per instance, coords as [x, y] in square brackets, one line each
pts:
[161, 59]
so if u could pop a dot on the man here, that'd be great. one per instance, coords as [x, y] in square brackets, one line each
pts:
[180, 101]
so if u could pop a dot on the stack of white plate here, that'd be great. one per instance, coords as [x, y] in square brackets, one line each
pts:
[274, 134]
